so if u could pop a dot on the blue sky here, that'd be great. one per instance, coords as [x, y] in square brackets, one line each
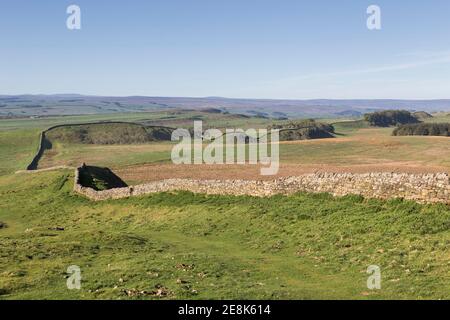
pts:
[290, 49]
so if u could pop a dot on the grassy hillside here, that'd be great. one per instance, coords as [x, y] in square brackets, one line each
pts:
[169, 118]
[108, 133]
[17, 149]
[354, 145]
[195, 246]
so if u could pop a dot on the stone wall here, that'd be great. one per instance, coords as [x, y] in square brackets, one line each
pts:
[423, 188]
[44, 144]
[41, 148]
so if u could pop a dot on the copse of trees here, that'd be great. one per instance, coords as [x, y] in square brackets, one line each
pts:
[389, 118]
[423, 129]
[304, 130]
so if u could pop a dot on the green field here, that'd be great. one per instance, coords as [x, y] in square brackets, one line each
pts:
[190, 246]
[204, 247]
[355, 144]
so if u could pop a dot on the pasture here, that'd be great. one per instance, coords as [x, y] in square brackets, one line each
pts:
[216, 247]
[185, 246]
[356, 148]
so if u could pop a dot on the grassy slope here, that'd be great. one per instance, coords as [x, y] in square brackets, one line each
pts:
[369, 146]
[300, 247]
[164, 118]
[306, 246]
[17, 148]
[19, 139]
[354, 146]
[361, 146]
[44, 123]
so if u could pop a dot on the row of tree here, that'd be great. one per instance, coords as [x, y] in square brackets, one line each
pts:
[423, 129]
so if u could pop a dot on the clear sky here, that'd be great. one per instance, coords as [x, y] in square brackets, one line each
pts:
[291, 49]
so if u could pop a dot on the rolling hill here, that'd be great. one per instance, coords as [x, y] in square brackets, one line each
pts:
[73, 104]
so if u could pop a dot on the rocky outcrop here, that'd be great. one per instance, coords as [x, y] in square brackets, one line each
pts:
[423, 188]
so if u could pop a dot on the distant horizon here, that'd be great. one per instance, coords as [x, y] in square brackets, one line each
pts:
[217, 97]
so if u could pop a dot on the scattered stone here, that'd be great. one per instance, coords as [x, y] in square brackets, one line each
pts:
[185, 267]
[162, 292]
[159, 291]
[153, 274]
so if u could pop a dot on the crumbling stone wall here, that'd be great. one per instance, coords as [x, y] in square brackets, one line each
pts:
[423, 188]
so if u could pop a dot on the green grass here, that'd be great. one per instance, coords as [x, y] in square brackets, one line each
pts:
[19, 138]
[113, 156]
[350, 126]
[303, 246]
[44, 123]
[298, 247]
[17, 149]
[183, 119]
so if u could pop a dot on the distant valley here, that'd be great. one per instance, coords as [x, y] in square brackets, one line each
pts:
[73, 104]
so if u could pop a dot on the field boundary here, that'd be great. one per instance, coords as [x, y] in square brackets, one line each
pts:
[44, 144]
[422, 188]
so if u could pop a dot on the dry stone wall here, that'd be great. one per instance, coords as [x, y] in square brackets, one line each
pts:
[44, 144]
[423, 188]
